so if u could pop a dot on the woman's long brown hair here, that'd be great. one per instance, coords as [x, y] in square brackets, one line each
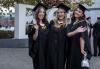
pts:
[36, 15]
[73, 19]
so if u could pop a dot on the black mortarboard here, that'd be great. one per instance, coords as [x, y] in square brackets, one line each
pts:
[98, 18]
[82, 7]
[62, 6]
[39, 5]
[88, 18]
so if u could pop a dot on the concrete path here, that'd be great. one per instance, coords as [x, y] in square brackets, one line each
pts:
[17, 58]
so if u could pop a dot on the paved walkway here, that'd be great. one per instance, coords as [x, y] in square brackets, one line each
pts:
[17, 58]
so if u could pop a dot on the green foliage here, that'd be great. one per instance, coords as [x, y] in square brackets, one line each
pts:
[84, 2]
[9, 3]
[6, 34]
[87, 2]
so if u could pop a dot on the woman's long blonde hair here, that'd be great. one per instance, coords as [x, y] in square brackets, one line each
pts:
[66, 20]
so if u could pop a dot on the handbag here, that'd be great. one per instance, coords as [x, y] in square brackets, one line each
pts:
[85, 62]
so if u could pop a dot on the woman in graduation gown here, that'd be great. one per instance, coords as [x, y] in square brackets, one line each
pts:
[57, 39]
[39, 35]
[79, 42]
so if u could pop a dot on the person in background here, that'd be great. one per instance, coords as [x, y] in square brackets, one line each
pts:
[89, 26]
[96, 37]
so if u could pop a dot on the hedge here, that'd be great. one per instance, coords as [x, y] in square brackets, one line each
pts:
[6, 34]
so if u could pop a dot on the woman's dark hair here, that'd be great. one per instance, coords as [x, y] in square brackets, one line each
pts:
[73, 19]
[36, 15]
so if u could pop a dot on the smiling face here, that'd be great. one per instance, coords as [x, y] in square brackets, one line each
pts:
[61, 14]
[41, 13]
[78, 13]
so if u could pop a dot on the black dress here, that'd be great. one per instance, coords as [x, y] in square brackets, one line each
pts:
[68, 48]
[38, 50]
[75, 53]
[32, 49]
[96, 38]
[56, 47]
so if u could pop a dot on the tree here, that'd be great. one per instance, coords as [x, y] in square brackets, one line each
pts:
[12, 3]
[49, 3]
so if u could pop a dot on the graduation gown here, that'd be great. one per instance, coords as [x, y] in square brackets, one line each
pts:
[75, 53]
[56, 47]
[38, 48]
[89, 26]
[31, 31]
[68, 48]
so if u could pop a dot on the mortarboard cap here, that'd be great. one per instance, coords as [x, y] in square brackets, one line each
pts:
[62, 6]
[82, 7]
[39, 5]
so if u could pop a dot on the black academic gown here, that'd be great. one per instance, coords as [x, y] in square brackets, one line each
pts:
[38, 50]
[68, 48]
[56, 47]
[30, 39]
[75, 53]
[32, 49]
[96, 37]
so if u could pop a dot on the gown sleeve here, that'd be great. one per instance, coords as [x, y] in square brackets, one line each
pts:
[85, 36]
[31, 42]
[68, 28]
[51, 23]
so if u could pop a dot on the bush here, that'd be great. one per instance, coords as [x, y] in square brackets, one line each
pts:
[6, 34]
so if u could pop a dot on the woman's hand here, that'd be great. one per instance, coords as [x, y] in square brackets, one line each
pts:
[81, 29]
[36, 26]
[83, 51]
[78, 30]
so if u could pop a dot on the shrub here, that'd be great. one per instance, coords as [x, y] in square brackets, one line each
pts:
[6, 34]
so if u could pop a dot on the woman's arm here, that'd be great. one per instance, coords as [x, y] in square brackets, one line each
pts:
[82, 42]
[78, 30]
[70, 34]
[35, 35]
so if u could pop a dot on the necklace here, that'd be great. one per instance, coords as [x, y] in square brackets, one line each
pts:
[59, 24]
[43, 26]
